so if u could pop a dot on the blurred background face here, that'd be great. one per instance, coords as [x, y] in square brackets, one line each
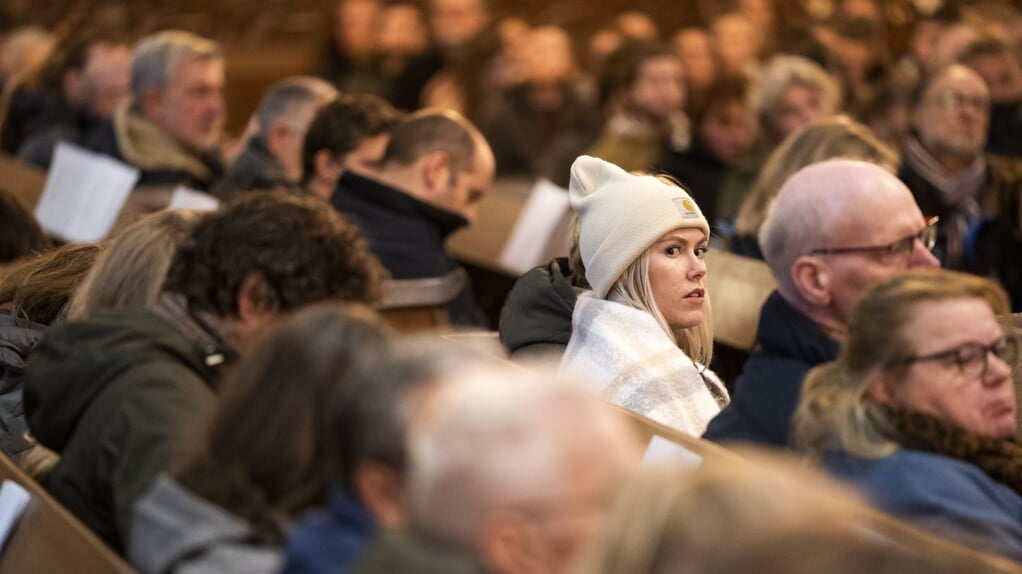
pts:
[798, 105]
[547, 57]
[1002, 76]
[736, 41]
[105, 79]
[356, 25]
[455, 22]
[192, 109]
[982, 404]
[695, 50]
[952, 116]
[402, 30]
[658, 90]
[726, 129]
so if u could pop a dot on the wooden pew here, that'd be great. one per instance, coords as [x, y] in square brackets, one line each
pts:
[647, 429]
[416, 305]
[23, 180]
[49, 539]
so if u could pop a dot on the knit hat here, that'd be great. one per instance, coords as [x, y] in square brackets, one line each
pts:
[622, 215]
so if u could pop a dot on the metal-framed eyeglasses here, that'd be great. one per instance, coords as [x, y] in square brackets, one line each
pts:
[905, 245]
[973, 358]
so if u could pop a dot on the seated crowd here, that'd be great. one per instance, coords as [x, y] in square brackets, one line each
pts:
[227, 390]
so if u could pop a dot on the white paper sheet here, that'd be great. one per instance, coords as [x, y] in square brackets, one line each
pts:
[662, 451]
[84, 193]
[13, 501]
[184, 198]
[539, 223]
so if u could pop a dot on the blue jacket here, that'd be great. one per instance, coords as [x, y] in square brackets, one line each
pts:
[788, 344]
[330, 541]
[944, 495]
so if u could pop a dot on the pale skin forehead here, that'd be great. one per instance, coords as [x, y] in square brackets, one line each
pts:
[957, 77]
[852, 198]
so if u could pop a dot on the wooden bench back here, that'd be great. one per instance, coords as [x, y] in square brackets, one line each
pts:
[49, 539]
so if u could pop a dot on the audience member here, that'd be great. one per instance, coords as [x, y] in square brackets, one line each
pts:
[77, 88]
[272, 157]
[823, 139]
[119, 394]
[723, 132]
[434, 173]
[350, 60]
[471, 47]
[508, 472]
[643, 335]
[367, 495]
[172, 126]
[997, 63]
[944, 164]
[131, 269]
[262, 460]
[538, 127]
[737, 41]
[641, 95]
[20, 234]
[918, 409]
[349, 133]
[825, 245]
[34, 295]
[694, 47]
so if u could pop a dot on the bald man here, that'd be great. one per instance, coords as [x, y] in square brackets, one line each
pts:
[835, 229]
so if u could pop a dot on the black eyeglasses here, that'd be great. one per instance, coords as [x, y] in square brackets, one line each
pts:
[973, 358]
[905, 245]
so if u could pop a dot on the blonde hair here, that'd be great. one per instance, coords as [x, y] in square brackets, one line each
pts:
[634, 289]
[826, 138]
[835, 413]
[130, 272]
[766, 513]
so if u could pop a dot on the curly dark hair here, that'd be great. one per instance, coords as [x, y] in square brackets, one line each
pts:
[300, 249]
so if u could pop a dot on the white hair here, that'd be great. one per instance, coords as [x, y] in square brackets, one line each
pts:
[494, 439]
[156, 58]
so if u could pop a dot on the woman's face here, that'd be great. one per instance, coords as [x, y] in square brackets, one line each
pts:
[798, 106]
[954, 386]
[677, 276]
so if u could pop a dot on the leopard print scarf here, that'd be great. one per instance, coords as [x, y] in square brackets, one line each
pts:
[1000, 459]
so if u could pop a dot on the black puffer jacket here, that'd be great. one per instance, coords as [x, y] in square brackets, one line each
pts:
[536, 317]
[17, 338]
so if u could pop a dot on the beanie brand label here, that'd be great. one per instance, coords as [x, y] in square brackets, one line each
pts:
[686, 207]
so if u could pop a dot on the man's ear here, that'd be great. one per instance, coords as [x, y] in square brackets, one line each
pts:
[326, 165]
[811, 279]
[379, 488]
[276, 137]
[255, 299]
[435, 168]
[152, 104]
[880, 388]
[505, 544]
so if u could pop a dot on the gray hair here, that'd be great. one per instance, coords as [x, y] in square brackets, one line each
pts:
[784, 71]
[381, 395]
[130, 272]
[288, 97]
[158, 56]
[495, 439]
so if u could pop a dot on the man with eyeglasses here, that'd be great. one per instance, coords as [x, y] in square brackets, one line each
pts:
[975, 194]
[835, 229]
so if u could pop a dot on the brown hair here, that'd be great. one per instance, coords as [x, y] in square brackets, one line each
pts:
[834, 412]
[39, 288]
[265, 456]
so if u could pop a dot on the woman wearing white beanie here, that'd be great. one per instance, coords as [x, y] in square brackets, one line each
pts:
[643, 335]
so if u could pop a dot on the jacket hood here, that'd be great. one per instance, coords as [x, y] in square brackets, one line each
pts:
[75, 362]
[537, 313]
[171, 525]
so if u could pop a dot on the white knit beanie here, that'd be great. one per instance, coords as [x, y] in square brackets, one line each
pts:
[622, 215]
